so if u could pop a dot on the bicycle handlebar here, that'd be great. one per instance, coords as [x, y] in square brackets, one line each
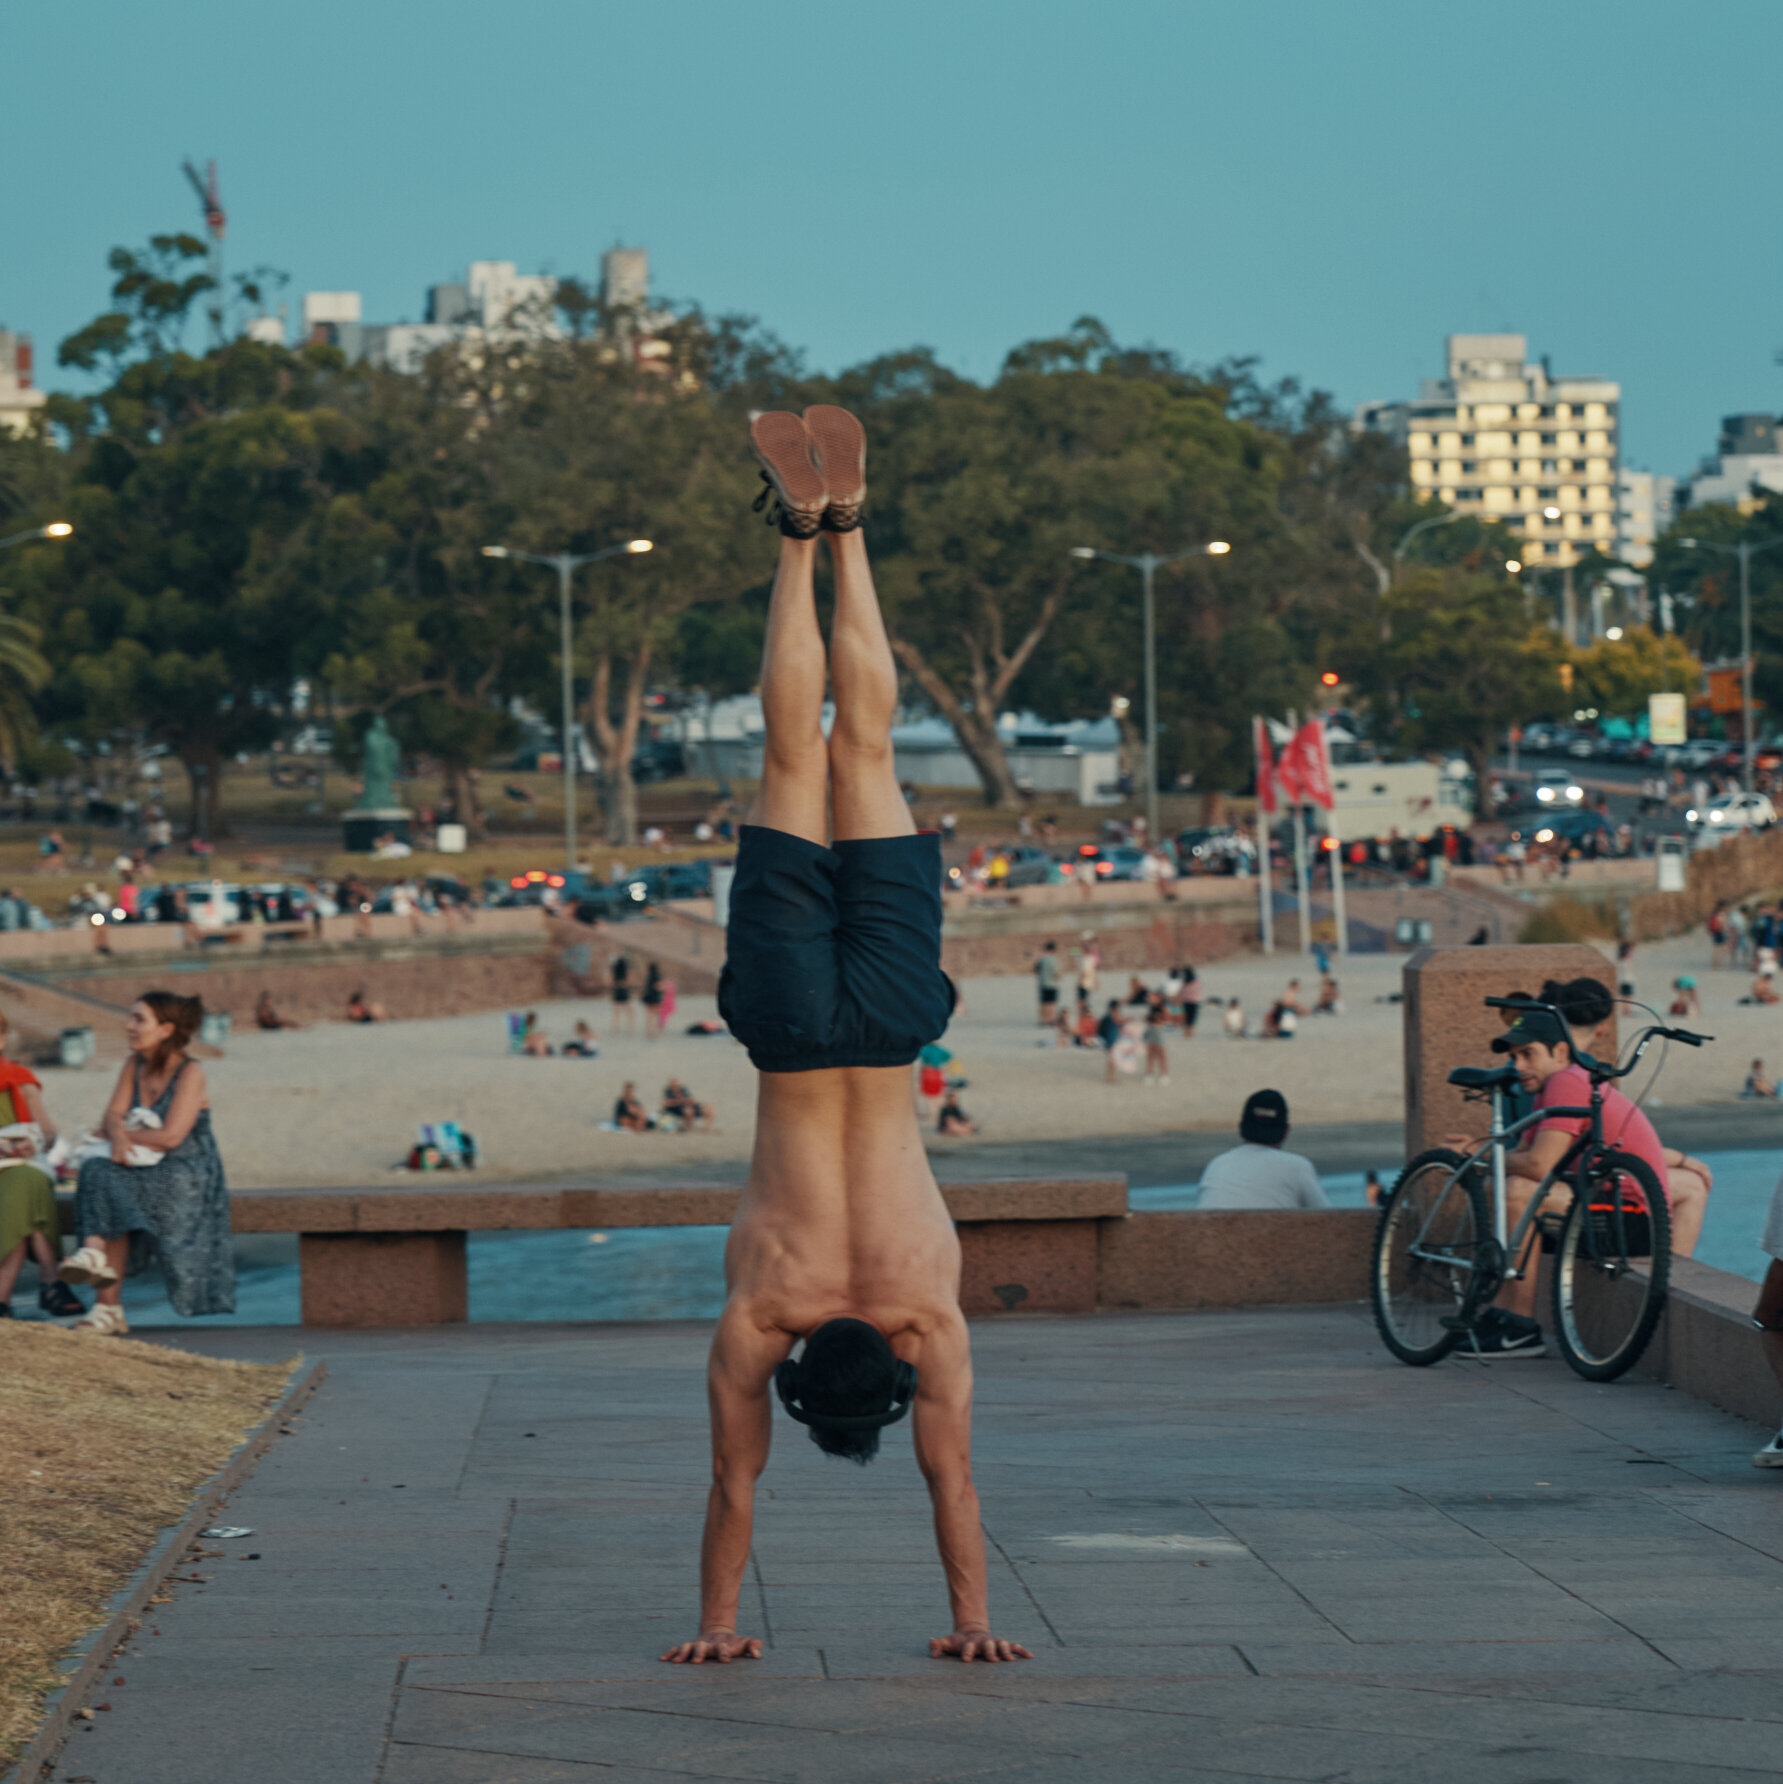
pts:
[1683, 1035]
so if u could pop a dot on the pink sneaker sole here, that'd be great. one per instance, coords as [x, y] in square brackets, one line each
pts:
[841, 444]
[783, 449]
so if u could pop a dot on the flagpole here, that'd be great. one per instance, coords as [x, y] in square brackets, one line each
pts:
[1297, 794]
[1265, 897]
[1300, 877]
[1337, 909]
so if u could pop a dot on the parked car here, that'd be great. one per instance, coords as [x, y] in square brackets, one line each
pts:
[1029, 866]
[1210, 848]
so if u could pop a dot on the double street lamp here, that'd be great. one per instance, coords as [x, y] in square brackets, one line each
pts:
[1148, 563]
[1745, 552]
[565, 563]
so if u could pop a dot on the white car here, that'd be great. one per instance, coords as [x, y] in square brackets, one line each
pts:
[1555, 789]
[1738, 811]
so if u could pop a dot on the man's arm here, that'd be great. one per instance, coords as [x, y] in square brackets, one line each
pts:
[943, 1432]
[1545, 1149]
[737, 1376]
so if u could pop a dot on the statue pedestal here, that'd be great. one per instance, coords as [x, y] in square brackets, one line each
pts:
[360, 830]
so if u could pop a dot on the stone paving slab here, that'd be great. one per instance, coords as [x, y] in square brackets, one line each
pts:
[1243, 1546]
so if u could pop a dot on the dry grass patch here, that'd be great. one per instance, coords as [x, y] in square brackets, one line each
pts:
[104, 1442]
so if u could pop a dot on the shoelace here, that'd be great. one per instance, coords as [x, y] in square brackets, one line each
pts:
[795, 524]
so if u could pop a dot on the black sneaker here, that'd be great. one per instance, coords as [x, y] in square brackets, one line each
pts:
[1497, 1335]
[59, 1301]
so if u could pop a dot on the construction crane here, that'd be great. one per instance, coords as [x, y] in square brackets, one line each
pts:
[215, 223]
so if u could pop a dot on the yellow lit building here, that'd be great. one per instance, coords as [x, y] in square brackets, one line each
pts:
[1503, 438]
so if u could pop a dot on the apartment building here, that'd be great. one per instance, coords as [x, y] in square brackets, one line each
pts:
[20, 399]
[1504, 438]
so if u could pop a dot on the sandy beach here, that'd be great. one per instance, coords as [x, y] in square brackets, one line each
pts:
[339, 1105]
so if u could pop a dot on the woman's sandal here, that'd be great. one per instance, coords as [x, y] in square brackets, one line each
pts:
[107, 1321]
[90, 1265]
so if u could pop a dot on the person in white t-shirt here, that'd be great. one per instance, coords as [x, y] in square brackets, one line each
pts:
[1257, 1174]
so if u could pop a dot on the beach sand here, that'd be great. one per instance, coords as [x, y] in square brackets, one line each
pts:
[338, 1105]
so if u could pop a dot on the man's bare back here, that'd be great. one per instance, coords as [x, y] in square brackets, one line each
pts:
[833, 982]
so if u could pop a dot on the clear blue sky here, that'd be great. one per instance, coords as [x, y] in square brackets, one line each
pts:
[1332, 187]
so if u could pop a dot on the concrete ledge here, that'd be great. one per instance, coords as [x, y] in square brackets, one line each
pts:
[438, 1204]
[1708, 1346]
[1190, 1259]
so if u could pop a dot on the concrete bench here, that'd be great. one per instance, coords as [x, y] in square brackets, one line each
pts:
[395, 1256]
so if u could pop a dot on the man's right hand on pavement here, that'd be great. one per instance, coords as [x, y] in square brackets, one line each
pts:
[721, 1645]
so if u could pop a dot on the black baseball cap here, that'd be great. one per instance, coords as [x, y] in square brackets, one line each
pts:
[1265, 1118]
[1532, 1028]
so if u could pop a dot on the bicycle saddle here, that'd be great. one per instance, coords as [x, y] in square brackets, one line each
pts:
[1483, 1077]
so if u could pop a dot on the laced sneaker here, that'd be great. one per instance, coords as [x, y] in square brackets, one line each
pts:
[1497, 1335]
[1771, 1456]
[840, 445]
[794, 483]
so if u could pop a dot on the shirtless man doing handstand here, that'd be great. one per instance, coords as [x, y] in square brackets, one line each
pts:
[833, 982]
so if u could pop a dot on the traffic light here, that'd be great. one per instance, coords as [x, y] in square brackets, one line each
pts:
[1329, 678]
[1566, 677]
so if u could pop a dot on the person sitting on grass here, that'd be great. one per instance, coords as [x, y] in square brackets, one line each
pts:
[629, 1113]
[28, 1192]
[1758, 1082]
[953, 1122]
[1545, 1048]
[680, 1102]
[182, 1203]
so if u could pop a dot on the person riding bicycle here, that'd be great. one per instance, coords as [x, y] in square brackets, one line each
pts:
[1545, 1050]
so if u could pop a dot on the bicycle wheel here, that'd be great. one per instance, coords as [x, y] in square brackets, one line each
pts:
[1435, 1232]
[1611, 1266]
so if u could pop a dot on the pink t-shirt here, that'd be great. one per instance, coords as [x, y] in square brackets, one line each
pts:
[1623, 1124]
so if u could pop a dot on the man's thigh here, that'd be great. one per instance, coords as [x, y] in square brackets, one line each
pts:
[1769, 1311]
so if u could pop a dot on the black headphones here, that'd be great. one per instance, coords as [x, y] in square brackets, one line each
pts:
[786, 1384]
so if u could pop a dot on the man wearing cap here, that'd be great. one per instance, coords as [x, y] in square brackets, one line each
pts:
[1258, 1174]
[1544, 1045]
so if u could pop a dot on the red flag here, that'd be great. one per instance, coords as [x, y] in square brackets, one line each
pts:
[1291, 771]
[1312, 763]
[1266, 799]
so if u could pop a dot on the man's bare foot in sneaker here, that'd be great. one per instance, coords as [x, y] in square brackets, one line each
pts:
[840, 445]
[783, 450]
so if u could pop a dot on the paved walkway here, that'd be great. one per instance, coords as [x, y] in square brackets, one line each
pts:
[1243, 1545]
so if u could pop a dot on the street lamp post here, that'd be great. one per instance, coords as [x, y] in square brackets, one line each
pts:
[1148, 563]
[565, 563]
[57, 529]
[1745, 551]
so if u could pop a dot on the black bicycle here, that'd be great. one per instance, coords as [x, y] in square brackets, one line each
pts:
[1441, 1252]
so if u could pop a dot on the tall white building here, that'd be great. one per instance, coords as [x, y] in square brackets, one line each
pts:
[1503, 438]
[1747, 459]
[1645, 504]
[20, 399]
[494, 301]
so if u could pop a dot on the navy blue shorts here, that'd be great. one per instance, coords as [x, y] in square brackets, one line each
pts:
[833, 956]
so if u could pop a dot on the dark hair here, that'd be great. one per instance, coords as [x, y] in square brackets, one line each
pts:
[183, 1014]
[1583, 1002]
[850, 1372]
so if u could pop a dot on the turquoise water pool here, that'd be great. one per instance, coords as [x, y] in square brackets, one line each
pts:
[653, 1273]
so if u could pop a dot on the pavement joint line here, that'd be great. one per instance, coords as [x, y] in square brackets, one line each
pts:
[90, 1657]
[1330, 1622]
[470, 1449]
[1022, 1581]
[402, 1667]
[501, 1559]
[1541, 1574]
